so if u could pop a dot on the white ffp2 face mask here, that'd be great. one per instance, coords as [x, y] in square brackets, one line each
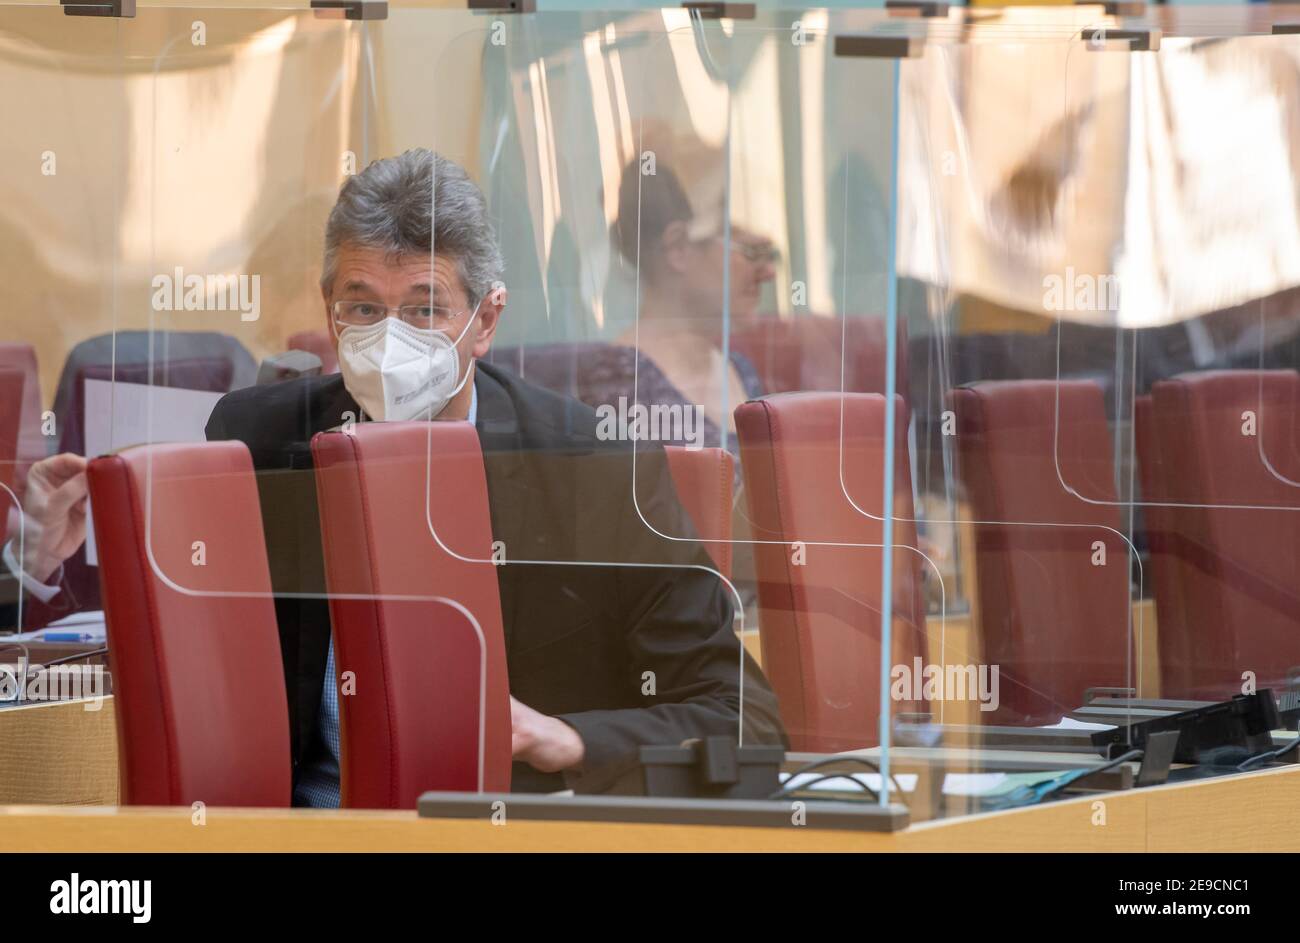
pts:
[398, 372]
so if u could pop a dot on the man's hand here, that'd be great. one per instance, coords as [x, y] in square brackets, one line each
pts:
[54, 514]
[545, 743]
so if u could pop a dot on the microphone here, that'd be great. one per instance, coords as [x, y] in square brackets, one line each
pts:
[288, 366]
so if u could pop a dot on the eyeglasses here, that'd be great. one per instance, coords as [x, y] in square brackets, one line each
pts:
[755, 252]
[758, 252]
[368, 314]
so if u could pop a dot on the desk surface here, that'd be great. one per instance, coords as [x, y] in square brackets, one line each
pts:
[67, 754]
[1250, 812]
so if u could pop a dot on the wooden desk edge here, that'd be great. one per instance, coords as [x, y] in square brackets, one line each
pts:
[1249, 812]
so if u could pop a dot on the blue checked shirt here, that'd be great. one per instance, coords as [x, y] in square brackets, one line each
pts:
[318, 786]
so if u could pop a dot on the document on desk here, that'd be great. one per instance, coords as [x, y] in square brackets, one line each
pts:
[992, 784]
[954, 784]
[1069, 723]
[846, 782]
[88, 626]
[123, 414]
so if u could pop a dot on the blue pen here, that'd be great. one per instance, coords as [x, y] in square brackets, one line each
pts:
[67, 637]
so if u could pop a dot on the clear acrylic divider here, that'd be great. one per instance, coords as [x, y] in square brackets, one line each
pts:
[834, 385]
[613, 513]
[987, 543]
[1194, 308]
[258, 128]
[66, 163]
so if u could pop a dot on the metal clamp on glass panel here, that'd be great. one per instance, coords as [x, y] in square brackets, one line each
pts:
[355, 9]
[717, 10]
[708, 768]
[1140, 40]
[879, 46]
[1116, 7]
[925, 8]
[123, 9]
[503, 6]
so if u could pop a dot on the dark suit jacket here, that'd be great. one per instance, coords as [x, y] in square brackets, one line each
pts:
[578, 638]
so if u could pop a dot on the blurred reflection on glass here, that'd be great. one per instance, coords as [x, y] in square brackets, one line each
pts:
[671, 231]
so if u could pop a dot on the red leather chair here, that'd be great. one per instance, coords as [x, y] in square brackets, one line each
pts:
[31, 443]
[11, 398]
[197, 671]
[1054, 623]
[821, 353]
[318, 343]
[703, 479]
[1235, 551]
[431, 709]
[819, 621]
[1166, 575]
[213, 374]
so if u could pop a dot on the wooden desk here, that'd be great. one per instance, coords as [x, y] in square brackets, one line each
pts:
[59, 752]
[1250, 812]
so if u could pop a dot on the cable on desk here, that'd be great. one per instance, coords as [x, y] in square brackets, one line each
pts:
[861, 761]
[1269, 754]
[789, 789]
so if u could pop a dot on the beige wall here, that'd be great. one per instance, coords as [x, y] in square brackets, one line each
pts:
[222, 158]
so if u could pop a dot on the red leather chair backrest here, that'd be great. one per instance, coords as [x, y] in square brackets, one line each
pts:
[703, 479]
[213, 374]
[1236, 540]
[429, 689]
[1166, 576]
[11, 398]
[1042, 498]
[820, 619]
[197, 671]
[31, 441]
[821, 353]
[318, 343]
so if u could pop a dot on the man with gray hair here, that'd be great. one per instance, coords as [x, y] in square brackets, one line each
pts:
[413, 299]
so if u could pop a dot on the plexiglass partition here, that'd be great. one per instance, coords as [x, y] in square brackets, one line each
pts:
[67, 171]
[912, 394]
[1072, 392]
[68, 167]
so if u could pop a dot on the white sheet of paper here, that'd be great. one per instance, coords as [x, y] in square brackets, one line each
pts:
[122, 414]
[84, 620]
[1069, 723]
[845, 782]
[88, 622]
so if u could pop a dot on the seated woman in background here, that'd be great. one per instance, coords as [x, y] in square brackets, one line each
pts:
[671, 354]
[679, 258]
